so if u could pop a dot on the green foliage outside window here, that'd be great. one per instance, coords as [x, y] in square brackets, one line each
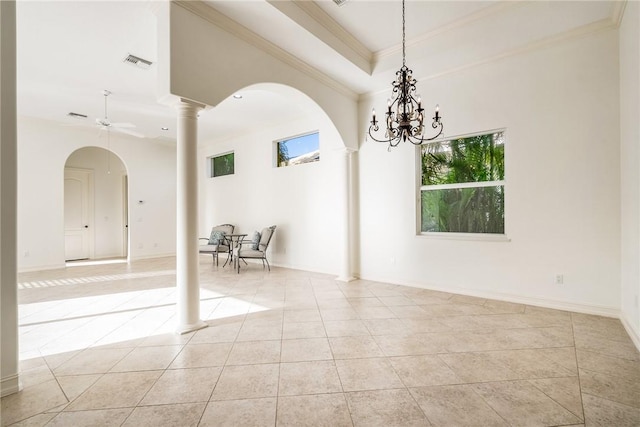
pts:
[222, 165]
[463, 185]
[283, 154]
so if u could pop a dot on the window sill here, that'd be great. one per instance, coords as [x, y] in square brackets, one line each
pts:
[466, 236]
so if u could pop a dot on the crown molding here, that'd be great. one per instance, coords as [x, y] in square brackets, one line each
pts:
[334, 34]
[225, 23]
[594, 27]
[618, 12]
[488, 11]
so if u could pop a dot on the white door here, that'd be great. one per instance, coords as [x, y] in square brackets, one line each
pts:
[77, 205]
[125, 215]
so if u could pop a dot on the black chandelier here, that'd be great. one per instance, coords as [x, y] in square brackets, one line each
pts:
[405, 115]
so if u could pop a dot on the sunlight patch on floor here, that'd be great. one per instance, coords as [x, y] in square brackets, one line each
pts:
[92, 279]
[123, 318]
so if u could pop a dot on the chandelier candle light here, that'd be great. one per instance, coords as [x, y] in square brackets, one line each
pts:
[404, 116]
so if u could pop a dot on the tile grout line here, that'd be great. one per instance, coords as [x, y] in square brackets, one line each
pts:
[575, 354]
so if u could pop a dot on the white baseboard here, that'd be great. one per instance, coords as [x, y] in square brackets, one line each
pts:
[40, 268]
[300, 268]
[599, 310]
[63, 265]
[152, 256]
[311, 270]
[346, 279]
[10, 385]
[633, 332]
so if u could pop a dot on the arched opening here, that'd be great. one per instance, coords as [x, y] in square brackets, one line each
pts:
[96, 224]
[306, 199]
[268, 105]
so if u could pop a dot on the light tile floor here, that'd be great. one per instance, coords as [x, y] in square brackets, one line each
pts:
[292, 348]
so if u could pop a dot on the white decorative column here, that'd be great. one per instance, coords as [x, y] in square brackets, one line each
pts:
[9, 366]
[345, 173]
[187, 279]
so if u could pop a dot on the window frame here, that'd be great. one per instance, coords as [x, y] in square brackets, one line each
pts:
[288, 138]
[455, 235]
[210, 162]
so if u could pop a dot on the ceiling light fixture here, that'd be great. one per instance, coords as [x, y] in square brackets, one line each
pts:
[237, 96]
[404, 116]
[164, 128]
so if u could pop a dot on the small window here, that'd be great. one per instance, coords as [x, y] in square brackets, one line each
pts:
[222, 165]
[462, 189]
[298, 150]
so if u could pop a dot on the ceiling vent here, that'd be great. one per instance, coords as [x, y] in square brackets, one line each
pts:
[339, 2]
[138, 62]
[77, 115]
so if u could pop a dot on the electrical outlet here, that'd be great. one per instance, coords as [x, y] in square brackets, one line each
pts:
[26, 254]
[393, 260]
[140, 245]
[559, 279]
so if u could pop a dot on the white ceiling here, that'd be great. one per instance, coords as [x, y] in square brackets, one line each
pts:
[68, 52]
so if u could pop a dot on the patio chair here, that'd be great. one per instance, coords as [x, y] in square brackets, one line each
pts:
[216, 242]
[250, 249]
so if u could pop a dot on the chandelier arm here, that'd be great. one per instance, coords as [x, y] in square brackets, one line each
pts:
[388, 140]
[419, 141]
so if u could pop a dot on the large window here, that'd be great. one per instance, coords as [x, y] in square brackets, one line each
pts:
[222, 165]
[298, 150]
[462, 188]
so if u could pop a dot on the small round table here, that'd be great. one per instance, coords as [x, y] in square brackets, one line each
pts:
[233, 240]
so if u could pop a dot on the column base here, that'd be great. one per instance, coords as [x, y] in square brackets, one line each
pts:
[10, 385]
[185, 329]
[346, 279]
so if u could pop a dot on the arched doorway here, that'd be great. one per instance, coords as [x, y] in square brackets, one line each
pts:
[95, 205]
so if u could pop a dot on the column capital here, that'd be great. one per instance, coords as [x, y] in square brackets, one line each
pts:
[346, 150]
[188, 108]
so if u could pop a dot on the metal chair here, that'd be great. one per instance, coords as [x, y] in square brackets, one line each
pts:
[246, 251]
[216, 242]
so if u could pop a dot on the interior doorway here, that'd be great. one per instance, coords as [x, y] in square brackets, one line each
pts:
[78, 218]
[125, 215]
[95, 206]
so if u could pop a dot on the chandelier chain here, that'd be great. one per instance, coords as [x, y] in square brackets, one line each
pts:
[403, 38]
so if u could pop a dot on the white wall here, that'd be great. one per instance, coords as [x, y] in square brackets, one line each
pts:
[559, 106]
[108, 219]
[43, 149]
[300, 200]
[206, 63]
[630, 165]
